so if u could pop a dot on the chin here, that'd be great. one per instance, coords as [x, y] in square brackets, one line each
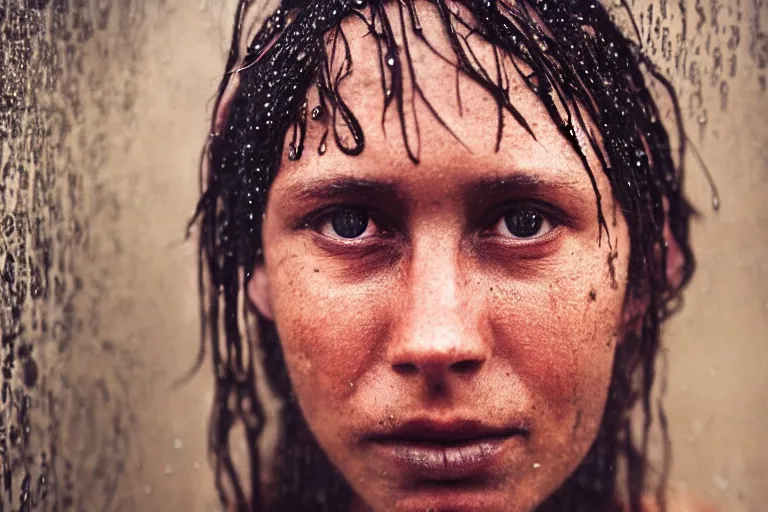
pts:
[459, 497]
[448, 499]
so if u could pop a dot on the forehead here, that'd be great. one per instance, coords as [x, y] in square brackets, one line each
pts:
[451, 122]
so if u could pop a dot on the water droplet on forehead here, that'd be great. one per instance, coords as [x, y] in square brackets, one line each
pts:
[293, 152]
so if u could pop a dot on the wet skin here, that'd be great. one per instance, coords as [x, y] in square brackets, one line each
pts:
[449, 327]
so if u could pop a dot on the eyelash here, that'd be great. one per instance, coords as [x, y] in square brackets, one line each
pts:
[550, 215]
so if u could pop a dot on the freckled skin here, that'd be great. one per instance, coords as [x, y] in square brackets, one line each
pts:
[537, 319]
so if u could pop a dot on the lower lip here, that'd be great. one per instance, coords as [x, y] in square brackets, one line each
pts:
[436, 462]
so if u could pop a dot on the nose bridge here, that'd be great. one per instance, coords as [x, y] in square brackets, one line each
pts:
[438, 328]
[435, 296]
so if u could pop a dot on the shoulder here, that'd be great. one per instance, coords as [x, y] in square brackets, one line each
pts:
[678, 503]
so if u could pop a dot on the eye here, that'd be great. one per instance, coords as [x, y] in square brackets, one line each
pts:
[523, 223]
[347, 224]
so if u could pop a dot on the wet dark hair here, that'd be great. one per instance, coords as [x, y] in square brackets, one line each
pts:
[580, 65]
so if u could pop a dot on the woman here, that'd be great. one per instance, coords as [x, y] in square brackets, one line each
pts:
[450, 231]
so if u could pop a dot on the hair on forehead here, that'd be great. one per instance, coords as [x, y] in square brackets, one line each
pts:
[584, 72]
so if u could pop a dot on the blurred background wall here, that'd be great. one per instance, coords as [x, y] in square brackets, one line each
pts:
[104, 108]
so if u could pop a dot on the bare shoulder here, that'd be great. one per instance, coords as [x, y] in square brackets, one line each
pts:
[679, 503]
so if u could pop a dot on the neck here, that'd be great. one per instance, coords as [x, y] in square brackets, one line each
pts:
[359, 505]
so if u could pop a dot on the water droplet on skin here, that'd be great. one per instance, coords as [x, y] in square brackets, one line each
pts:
[321, 149]
[177, 443]
[147, 490]
[168, 469]
[536, 465]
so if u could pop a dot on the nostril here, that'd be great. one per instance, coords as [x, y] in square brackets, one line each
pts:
[466, 366]
[405, 368]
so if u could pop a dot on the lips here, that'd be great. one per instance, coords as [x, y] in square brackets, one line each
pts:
[444, 451]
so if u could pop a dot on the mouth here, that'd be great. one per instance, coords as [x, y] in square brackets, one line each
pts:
[444, 451]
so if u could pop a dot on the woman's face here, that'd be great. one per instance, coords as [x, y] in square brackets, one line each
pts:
[449, 327]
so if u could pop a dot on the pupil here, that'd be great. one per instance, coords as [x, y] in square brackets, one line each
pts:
[349, 223]
[524, 223]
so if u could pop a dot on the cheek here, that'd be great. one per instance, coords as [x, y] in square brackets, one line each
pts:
[331, 334]
[559, 336]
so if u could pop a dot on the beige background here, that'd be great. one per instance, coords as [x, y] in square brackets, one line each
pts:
[147, 304]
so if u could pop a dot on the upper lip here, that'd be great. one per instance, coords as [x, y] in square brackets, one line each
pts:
[425, 430]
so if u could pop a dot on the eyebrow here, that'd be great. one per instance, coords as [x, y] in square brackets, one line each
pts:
[330, 188]
[522, 181]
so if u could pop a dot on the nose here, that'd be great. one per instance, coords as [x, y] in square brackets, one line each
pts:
[439, 333]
